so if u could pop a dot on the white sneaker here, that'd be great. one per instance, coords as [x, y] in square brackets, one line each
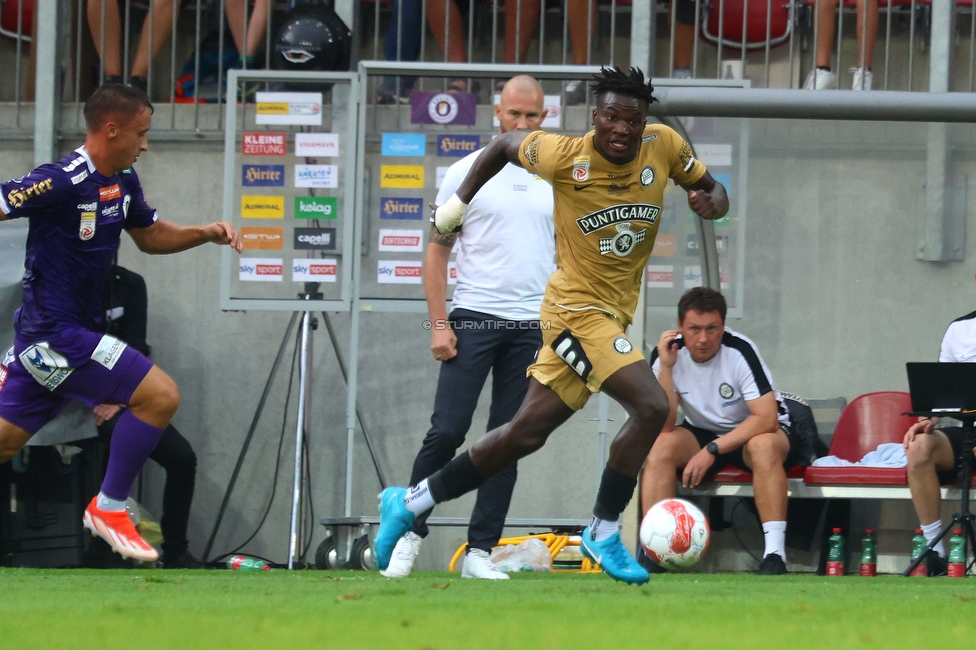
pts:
[404, 554]
[820, 80]
[478, 564]
[862, 79]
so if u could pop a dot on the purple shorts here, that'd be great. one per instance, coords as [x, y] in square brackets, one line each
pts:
[36, 381]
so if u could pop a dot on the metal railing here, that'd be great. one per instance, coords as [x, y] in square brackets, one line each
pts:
[921, 45]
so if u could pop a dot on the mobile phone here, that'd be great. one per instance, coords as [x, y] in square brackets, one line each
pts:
[677, 343]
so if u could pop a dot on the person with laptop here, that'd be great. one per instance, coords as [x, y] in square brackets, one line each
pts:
[935, 455]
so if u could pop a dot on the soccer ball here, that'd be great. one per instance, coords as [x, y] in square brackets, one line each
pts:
[674, 533]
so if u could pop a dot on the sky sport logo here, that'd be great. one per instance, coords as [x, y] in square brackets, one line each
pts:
[264, 144]
[254, 269]
[324, 270]
[399, 272]
[316, 207]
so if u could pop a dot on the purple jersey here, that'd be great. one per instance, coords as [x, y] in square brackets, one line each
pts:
[76, 218]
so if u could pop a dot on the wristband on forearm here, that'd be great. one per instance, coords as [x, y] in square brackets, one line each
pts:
[448, 217]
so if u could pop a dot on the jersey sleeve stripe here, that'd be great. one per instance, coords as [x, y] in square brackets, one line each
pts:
[752, 358]
[4, 208]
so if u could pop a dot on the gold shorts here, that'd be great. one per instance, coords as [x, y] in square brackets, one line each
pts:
[580, 350]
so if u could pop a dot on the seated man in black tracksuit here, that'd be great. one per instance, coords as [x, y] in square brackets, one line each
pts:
[125, 303]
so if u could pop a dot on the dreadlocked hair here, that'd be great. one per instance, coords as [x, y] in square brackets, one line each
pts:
[631, 84]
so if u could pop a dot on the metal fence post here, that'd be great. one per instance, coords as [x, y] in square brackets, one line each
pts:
[47, 96]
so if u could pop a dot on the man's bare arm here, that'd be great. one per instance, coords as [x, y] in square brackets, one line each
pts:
[166, 237]
[707, 198]
[443, 344]
[499, 152]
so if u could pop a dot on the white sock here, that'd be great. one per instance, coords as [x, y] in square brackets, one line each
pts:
[931, 532]
[418, 499]
[600, 529]
[774, 533]
[109, 504]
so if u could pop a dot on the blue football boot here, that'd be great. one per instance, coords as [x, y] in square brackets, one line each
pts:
[613, 558]
[395, 521]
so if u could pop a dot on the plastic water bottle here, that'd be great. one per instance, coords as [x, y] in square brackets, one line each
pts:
[835, 556]
[247, 563]
[919, 543]
[957, 554]
[869, 554]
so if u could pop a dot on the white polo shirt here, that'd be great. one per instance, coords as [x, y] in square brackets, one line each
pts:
[959, 341]
[714, 394]
[508, 243]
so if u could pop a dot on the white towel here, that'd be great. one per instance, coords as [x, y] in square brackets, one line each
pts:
[889, 454]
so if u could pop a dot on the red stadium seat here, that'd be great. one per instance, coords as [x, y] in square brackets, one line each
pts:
[8, 18]
[732, 16]
[868, 421]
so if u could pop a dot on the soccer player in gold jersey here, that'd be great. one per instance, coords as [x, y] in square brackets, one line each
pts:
[608, 188]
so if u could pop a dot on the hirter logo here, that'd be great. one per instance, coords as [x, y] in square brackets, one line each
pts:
[109, 193]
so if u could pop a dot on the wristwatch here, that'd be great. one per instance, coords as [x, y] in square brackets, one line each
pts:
[712, 448]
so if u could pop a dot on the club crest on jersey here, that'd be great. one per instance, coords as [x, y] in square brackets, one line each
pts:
[86, 230]
[725, 390]
[622, 345]
[647, 176]
[581, 168]
[622, 243]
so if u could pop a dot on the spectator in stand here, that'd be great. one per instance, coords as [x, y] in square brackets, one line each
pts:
[821, 77]
[684, 38]
[156, 30]
[247, 44]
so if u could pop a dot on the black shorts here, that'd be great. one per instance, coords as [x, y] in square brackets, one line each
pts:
[955, 436]
[734, 457]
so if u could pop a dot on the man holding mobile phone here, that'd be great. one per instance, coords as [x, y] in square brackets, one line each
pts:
[733, 415]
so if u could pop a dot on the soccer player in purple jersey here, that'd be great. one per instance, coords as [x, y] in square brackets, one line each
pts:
[77, 209]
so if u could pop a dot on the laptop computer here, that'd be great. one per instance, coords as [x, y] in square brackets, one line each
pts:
[947, 389]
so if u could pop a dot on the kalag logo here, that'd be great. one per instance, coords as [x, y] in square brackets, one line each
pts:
[642, 212]
[263, 175]
[316, 207]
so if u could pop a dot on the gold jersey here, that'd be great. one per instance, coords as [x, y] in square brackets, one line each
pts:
[606, 215]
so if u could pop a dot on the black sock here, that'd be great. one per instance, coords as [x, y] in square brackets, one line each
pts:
[614, 494]
[825, 68]
[456, 478]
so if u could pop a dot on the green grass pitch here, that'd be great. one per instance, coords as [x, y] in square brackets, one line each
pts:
[141, 609]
